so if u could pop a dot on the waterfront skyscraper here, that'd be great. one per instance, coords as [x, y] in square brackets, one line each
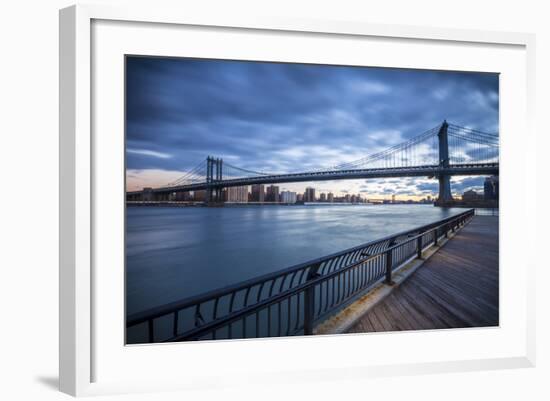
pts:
[183, 196]
[199, 196]
[309, 195]
[288, 197]
[272, 194]
[237, 194]
[471, 195]
[330, 197]
[258, 194]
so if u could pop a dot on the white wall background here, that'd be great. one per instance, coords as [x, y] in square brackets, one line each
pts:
[29, 195]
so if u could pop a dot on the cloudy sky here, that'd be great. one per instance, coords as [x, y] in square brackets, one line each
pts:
[277, 117]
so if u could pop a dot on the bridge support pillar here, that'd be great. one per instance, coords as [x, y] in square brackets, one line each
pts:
[445, 189]
[445, 195]
[214, 194]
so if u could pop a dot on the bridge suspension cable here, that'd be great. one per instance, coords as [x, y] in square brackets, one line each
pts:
[403, 152]
[467, 145]
[233, 171]
[197, 174]
[473, 131]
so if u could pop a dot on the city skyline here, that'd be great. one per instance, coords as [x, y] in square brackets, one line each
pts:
[261, 193]
[278, 117]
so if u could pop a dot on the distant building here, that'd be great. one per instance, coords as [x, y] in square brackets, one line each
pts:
[347, 198]
[299, 197]
[309, 195]
[330, 197]
[183, 196]
[471, 195]
[257, 193]
[272, 194]
[393, 198]
[490, 188]
[288, 197]
[148, 194]
[323, 197]
[237, 194]
[199, 196]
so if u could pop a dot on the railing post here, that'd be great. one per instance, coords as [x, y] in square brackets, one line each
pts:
[389, 263]
[446, 230]
[309, 300]
[435, 236]
[419, 247]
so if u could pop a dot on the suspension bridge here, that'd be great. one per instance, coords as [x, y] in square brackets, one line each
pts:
[439, 153]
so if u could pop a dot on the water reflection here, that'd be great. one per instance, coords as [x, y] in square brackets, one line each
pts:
[174, 253]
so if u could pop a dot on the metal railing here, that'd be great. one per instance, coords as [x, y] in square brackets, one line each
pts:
[290, 301]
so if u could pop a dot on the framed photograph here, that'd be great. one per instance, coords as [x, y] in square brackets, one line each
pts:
[260, 198]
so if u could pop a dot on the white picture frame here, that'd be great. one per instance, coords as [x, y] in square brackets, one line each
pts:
[82, 342]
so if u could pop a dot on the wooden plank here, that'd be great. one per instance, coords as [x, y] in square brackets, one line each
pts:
[440, 316]
[452, 299]
[396, 316]
[408, 317]
[387, 319]
[376, 323]
[414, 311]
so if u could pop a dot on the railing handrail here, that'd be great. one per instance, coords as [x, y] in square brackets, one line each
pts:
[166, 309]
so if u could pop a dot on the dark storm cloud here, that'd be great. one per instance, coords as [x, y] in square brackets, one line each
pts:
[427, 187]
[284, 117]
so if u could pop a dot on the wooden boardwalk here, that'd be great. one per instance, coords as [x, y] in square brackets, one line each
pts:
[456, 287]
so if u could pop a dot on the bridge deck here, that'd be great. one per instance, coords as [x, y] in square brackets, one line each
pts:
[457, 287]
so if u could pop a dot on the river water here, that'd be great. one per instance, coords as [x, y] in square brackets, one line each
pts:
[174, 253]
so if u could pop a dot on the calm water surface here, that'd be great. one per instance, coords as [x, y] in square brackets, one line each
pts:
[174, 253]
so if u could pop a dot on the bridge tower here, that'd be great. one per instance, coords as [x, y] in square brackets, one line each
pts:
[214, 174]
[444, 180]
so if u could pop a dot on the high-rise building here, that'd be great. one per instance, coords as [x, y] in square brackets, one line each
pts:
[199, 195]
[490, 188]
[237, 194]
[183, 196]
[330, 197]
[323, 197]
[471, 195]
[393, 198]
[347, 198]
[258, 194]
[309, 195]
[288, 197]
[272, 194]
